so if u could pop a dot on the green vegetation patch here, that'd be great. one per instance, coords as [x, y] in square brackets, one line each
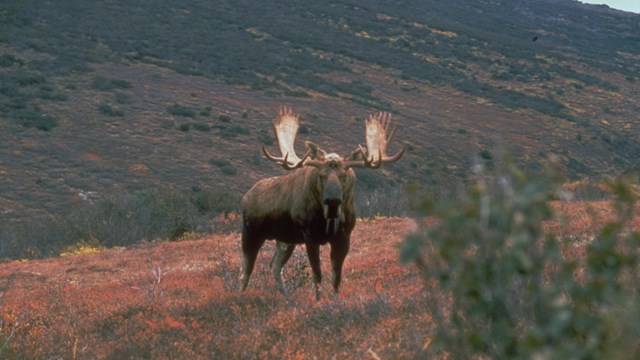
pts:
[181, 110]
[225, 166]
[19, 88]
[501, 286]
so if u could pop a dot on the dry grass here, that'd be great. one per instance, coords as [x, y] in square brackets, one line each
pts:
[580, 221]
[179, 300]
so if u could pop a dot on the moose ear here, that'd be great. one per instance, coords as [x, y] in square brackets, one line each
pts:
[314, 151]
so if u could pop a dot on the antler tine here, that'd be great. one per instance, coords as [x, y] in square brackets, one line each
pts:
[284, 160]
[386, 121]
[284, 111]
[268, 155]
[384, 118]
[393, 132]
[364, 163]
[368, 162]
[285, 163]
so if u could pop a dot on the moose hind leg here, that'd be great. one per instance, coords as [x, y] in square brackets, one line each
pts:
[250, 248]
[280, 258]
[313, 252]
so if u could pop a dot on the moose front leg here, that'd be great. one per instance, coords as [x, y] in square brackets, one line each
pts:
[313, 252]
[339, 250]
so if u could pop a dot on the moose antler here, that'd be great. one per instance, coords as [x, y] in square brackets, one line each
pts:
[378, 137]
[285, 126]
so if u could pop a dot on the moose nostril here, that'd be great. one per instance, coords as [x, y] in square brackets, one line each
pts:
[332, 208]
[333, 202]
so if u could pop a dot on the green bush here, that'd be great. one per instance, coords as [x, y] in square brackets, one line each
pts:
[220, 162]
[229, 170]
[180, 110]
[8, 60]
[202, 127]
[225, 166]
[33, 118]
[234, 131]
[501, 288]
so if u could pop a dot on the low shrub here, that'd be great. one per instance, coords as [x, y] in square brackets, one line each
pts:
[385, 201]
[180, 110]
[225, 166]
[202, 127]
[229, 170]
[31, 117]
[220, 162]
[234, 131]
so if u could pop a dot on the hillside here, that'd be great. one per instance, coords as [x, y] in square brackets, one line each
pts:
[100, 98]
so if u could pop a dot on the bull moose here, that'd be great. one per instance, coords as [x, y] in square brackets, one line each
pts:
[311, 205]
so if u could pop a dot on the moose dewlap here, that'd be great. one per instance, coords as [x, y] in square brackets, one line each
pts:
[313, 204]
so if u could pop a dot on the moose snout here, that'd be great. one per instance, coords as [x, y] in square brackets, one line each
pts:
[332, 200]
[332, 197]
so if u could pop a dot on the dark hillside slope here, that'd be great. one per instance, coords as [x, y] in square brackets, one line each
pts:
[103, 97]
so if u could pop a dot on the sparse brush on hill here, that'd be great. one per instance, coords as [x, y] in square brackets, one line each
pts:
[121, 220]
[501, 287]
